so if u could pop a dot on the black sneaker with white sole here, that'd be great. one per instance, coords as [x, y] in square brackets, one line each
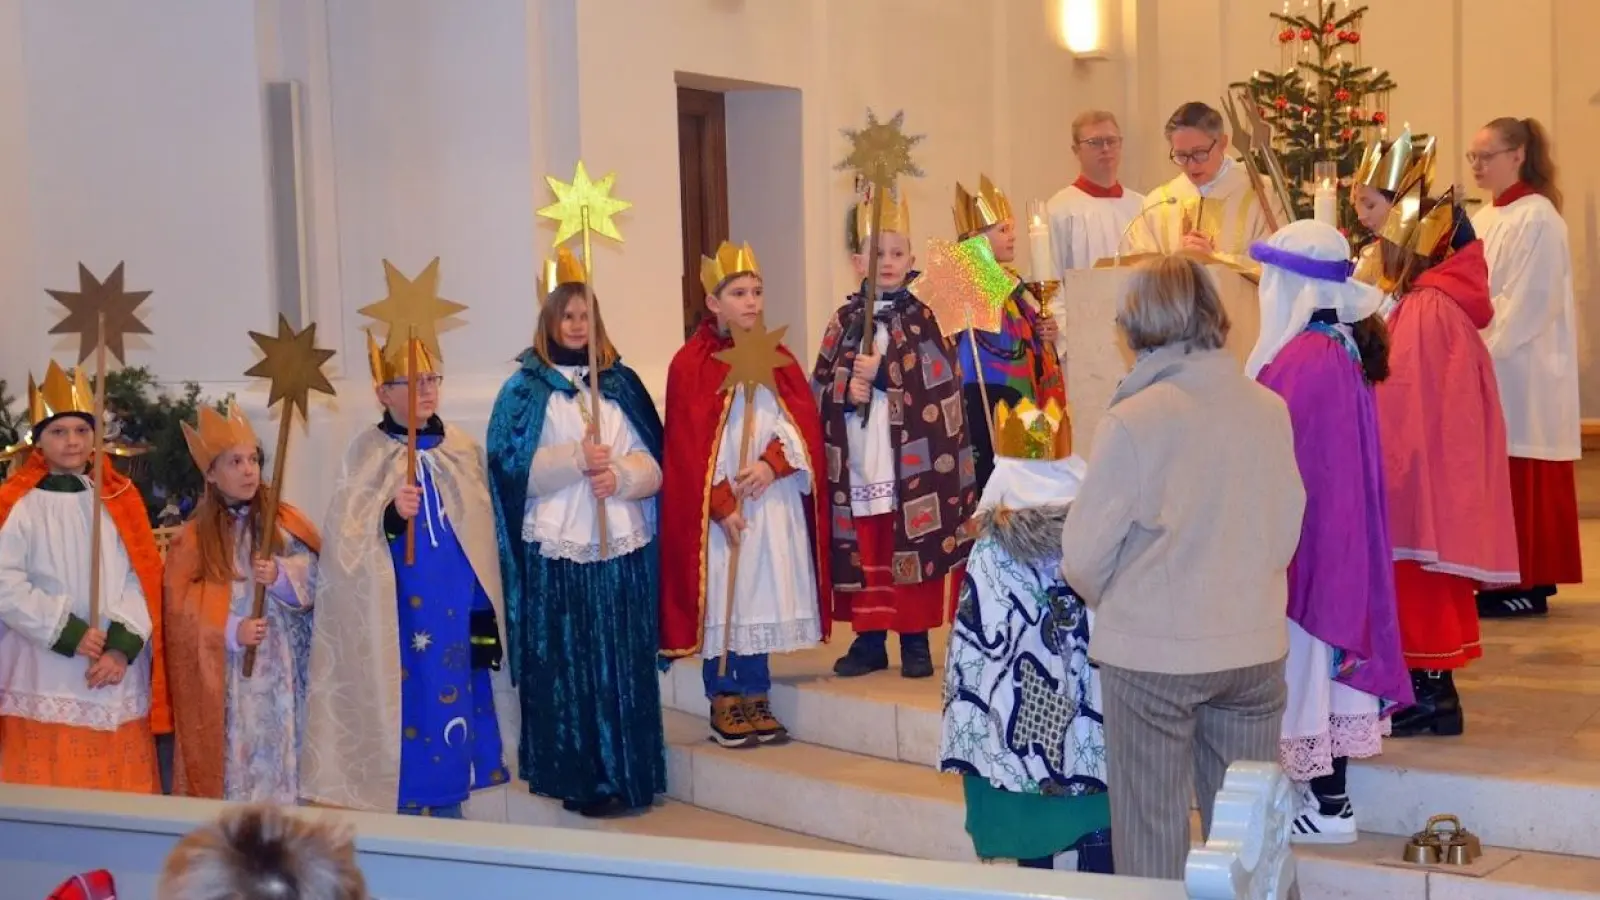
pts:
[1512, 604]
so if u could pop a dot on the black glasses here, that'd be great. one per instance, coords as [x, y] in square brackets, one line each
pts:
[1193, 156]
[1103, 143]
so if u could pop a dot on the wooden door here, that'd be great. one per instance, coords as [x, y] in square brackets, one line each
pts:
[703, 176]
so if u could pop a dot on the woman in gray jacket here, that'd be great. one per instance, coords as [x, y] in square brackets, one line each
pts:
[1180, 540]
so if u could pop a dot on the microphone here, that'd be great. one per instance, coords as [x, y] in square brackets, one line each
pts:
[1117, 257]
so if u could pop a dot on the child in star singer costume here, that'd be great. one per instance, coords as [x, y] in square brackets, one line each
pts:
[238, 738]
[79, 699]
[582, 623]
[1022, 714]
[899, 468]
[1015, 362]
[770, 512]
[409, 695]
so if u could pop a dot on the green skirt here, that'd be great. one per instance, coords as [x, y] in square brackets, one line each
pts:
[1007, 825]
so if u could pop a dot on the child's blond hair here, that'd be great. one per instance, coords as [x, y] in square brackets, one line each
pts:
[263, 853]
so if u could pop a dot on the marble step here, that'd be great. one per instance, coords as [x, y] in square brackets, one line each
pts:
[1522, 800]
[911, 810]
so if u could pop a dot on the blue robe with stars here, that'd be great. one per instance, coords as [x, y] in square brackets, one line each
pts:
[450, 737]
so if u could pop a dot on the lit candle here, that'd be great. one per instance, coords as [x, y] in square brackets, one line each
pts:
[1039, 249]
[1325, 203]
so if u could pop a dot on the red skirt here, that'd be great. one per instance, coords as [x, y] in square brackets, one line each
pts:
[883, 605]
[1438, 617]
[1544, 500]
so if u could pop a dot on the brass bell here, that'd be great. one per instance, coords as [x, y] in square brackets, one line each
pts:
[1423, 849]
[1444, 841]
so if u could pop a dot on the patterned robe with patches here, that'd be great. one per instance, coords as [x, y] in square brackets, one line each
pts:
[935, 484]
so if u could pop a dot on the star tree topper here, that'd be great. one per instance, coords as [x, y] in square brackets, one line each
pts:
[92, 298]
[753, 357]
[881, 152]
[293, 363]
[963, 285]
[413, 308]
[572, 199]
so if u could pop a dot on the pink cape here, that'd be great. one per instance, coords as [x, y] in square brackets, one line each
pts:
[1444, 436]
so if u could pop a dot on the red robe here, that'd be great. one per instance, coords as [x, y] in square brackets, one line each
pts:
[696, 413]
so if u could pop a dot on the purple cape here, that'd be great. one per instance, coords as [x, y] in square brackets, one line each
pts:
[1341, 581]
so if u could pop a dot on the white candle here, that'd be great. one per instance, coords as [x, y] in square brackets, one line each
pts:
[1325, 203]
[1039, 249]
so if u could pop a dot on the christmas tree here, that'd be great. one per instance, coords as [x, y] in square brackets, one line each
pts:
[1324, 105]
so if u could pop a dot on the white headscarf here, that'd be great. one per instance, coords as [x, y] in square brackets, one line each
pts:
[1029, 483]
[1305, 267]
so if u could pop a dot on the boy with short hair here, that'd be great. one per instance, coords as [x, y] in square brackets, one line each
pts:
[766, 517]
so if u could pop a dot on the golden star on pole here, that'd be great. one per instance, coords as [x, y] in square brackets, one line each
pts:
[412, 309]
[963, 285]
[753, 357]
[881, 152]
[92, 298]
[293, 363]
[572, 199]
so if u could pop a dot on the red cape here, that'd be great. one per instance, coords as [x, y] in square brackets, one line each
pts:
[696, 411]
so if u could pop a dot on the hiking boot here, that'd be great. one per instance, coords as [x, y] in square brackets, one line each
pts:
[768, 730]
[730, 727]
[866, 655]
[916, 660]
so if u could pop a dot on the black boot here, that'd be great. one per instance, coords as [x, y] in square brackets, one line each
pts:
[868, 653]
[1438, 709]
[1514, 604]
[916, 660]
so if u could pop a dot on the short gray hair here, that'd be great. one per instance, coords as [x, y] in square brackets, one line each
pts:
[1172, 301]
[1195, 114]
[263, 851]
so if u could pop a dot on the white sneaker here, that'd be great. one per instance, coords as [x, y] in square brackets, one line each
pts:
[1312, 827]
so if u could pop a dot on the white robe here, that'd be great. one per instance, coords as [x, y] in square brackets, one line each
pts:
[560, 513]
[44, 579]
[776, 606]
[872, 462]
[1533, 337]
[1231, 214]
[1085, 229]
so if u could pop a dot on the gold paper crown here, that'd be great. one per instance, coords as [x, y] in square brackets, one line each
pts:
[1396, 167]
[1026, 432]
[728, 262]
[1418, 232]
[385, 372]
[564, 269]
[217, 433]
[975, 213]
[59, 395]
[896, 218]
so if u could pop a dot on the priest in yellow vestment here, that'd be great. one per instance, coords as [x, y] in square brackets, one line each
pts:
[1211, 207]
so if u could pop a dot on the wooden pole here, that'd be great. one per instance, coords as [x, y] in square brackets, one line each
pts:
[746, 436]
[594, 374]
[267, 537]
[411, 438]
[97, 506]
[869, 330]
[983, 387]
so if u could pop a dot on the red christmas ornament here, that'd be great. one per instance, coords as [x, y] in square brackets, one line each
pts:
[1353, 37]
[1305, 34]
[1328, 27]
[1380, 117]
[1286, 35]
[1281, 102]
[1341, 95]
[1346, 134]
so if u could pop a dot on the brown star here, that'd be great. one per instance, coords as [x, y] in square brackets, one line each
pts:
[753, 357]
[881, 152]
[292, 363]
[413, 308]
[85, 306]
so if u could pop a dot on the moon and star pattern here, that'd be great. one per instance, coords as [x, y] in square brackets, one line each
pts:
[450, 739]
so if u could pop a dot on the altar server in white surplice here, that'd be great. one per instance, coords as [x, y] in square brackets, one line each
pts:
[1213, 208]
[1089, 217]
[1534, 341]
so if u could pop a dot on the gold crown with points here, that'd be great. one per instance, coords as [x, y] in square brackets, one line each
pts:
[1396, 166]
[384, 372]
[896, 218]
[730, 260]
[1027, 432]
[974, 213]
[1422, 233]
[59, 395]
[564, 269]
[217, 433]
